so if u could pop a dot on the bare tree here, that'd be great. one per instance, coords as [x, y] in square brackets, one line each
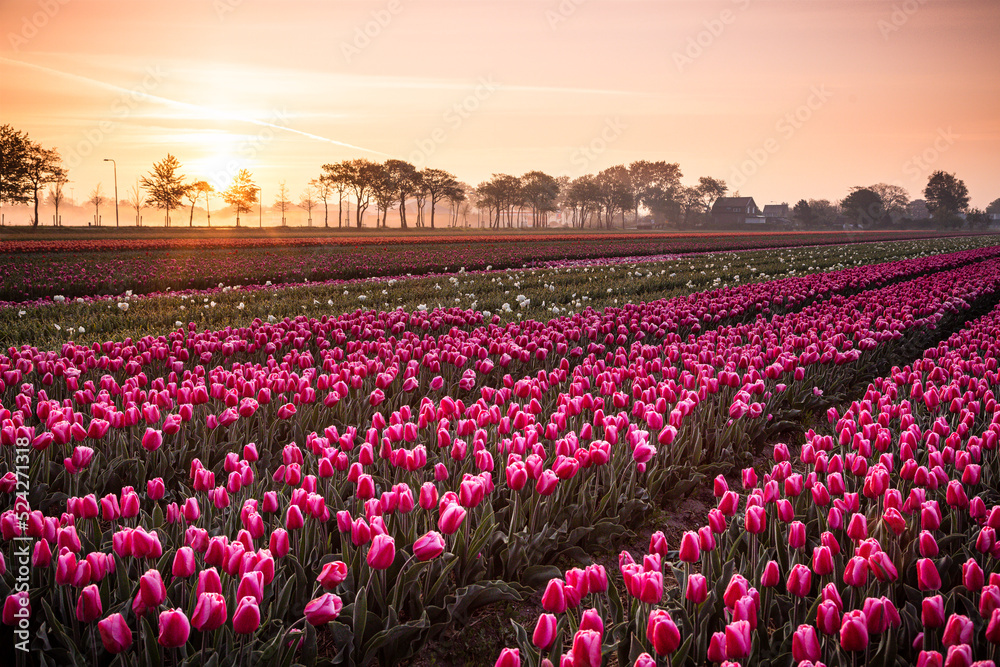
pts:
[97, 198]
[323, 188]
[307, 200]
[282, 202]
[56, 197]
[136, 200]
[193, 193]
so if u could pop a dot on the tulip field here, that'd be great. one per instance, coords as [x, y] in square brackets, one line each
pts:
[344, 472]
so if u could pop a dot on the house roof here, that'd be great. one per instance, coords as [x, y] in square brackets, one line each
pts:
[741, 202]
[775, 208]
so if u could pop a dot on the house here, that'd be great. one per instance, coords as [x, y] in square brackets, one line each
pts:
[736, 212]
[776, 211]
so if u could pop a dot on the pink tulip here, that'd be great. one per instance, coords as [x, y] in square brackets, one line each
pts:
[805, 644]
[115, 633]
[509, 657]
[429, 546]
[697, 589]
[854, 631]
[332, 574]
[246, 618]
[323, 609]
[174, 628]
[738, 639]
[928, 578]
[210, 612]
[16, 606]
[662, 632]
[382, 552]
[88, 606]
[545, 631]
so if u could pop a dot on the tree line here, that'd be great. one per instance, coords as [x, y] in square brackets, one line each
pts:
[594, 200]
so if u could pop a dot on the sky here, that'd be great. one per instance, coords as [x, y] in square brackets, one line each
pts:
[783, 99]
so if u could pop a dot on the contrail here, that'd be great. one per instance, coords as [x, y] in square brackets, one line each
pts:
[208, 112]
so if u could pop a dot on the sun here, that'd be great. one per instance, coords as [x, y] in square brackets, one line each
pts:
[217, 155]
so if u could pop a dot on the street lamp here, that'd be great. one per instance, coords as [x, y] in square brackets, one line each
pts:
[115, 165]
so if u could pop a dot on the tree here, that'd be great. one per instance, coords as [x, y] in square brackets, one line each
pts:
[193, 192]
[14, 148]
[541, 192]
[136, 200]
[583, 196]
[894, 198]
[659, 187]
[824, 212]
[97, 198]
[323, 188]
[615, 192]
[359, 176]
[242, 194]
[803, 213]
[56, 197]
[402, 179]
[307, 200]
[206, 188]
[689, 199]
[165, 186]
[710, 189]
[945, 194]
[337, 177]
[994, 206]
[281, 201]
[977, 219]
[864, 206]
[458, 198]
[383, 190]
[42, 167]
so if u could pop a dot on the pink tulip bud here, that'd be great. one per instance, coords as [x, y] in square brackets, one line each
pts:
[697, 589]
[770, 577]
[210, 612]
[690, 549]
[854, 631]
[928, 578]
[382, 552]
[738, 639]
[545, 631]
[958, 630]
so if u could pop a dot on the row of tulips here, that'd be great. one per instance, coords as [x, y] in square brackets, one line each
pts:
[112, 267]
[392, 505]
[874, 544]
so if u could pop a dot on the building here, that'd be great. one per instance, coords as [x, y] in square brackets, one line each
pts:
[736, 212]
[776, 212]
